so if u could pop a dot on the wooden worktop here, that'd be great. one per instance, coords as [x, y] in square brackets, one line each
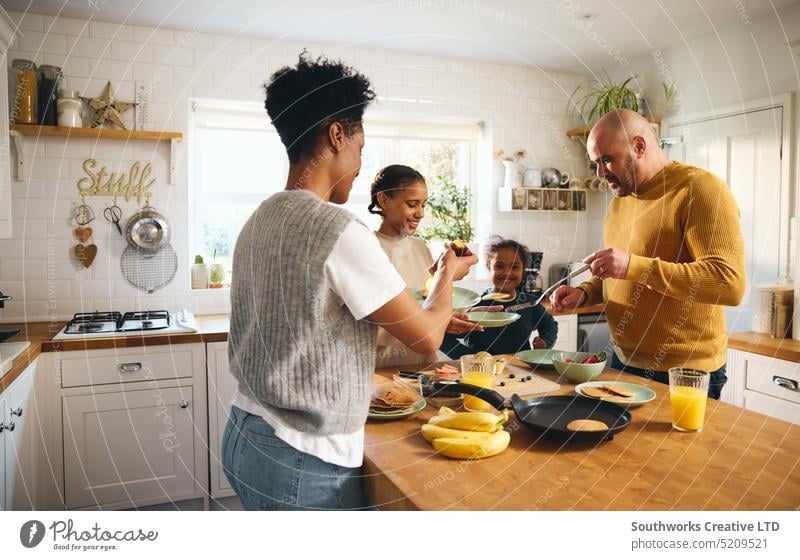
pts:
[740, 461]
[211, 328]
[766, 345]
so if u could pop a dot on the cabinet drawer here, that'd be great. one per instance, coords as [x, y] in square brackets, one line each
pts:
[770, 406]
[762, 375]
[100, 367]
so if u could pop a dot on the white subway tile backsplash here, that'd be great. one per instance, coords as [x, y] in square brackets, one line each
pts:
[24, 269]
[90, 47]
[231, 43]
[68, 26]
[173, 55]
[50, 43]
[28, 21]
[152, 35]
[131, 51]
[221, 60]
[113, 31]
[525, 105]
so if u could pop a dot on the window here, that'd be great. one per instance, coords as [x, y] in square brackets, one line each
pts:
[237, 160]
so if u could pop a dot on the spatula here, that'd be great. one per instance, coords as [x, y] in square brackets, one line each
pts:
[545, 293]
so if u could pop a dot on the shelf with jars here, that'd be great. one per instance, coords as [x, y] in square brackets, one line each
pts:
[548, 199]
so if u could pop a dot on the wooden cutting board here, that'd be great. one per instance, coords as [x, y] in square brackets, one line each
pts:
[537, 383]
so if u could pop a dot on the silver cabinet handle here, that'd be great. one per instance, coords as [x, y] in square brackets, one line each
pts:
[2, 427]
[17, 411]
[184, 404]
[10, 426]
[790, 384]
[129, 367]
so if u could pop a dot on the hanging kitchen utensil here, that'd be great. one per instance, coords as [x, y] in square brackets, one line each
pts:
[84, 214]
[148, 270]
[85, 254]
[147, 230]
[113, 214]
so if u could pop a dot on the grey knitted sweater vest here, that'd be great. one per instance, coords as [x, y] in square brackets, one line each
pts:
[293, 345]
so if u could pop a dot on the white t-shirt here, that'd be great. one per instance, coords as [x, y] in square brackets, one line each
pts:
[411, 257]
[360, 273]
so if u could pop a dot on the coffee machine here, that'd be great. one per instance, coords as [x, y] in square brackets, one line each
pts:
[534, 284]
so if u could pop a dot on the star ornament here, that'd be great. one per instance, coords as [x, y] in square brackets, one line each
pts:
[107, 108]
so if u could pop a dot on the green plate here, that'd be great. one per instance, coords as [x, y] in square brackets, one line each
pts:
[539, 358]
[492, 318]
[405, 413]
[462, 297]
[641, 395]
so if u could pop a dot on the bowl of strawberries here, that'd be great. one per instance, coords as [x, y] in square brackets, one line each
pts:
[580, 367]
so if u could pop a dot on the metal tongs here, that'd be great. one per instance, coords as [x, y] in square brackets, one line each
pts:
[549, 290]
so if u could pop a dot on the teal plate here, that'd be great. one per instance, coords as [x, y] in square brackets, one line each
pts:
[641, 394]
[462, 297]
[492, 318]
[404, 413]
[541, 358]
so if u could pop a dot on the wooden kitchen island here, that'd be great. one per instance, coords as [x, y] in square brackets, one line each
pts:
[740, 461]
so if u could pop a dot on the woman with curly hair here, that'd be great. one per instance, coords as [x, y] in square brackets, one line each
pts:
[310, 285]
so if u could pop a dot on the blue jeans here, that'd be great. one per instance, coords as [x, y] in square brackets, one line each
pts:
[715, 384]
[269, 474]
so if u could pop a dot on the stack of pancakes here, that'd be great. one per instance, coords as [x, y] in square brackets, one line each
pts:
[389, 397]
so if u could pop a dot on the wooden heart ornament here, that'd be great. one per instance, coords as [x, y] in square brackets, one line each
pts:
[82, 233]
[86, 254]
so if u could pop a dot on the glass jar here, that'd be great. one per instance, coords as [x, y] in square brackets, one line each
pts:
[23, 109]
[49, 81]
[70, 109]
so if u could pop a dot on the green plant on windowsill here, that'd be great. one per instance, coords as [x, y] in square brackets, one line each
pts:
[448, 210]
[217, 272]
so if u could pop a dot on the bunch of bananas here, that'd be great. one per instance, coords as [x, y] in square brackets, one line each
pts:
[467, 435]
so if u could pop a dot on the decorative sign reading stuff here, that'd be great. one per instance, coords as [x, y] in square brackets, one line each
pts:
[134, 184]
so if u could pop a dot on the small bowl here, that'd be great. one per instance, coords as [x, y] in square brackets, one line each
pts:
[577, 372]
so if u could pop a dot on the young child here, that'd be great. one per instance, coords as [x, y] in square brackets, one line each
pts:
[398, 195]
[507, 260]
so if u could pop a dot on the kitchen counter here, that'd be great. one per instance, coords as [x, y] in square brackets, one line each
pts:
[764, 344]
[211, 328]
[741, 461]
[585, 310]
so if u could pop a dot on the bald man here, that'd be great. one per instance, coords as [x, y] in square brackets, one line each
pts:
[673, 256]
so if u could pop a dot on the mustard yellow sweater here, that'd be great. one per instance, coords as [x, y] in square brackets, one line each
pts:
[687, 263]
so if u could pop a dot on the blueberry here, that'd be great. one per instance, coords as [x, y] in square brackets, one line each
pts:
[502, 383]
[511, 376]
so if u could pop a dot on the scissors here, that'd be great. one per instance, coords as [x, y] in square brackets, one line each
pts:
[113, 214]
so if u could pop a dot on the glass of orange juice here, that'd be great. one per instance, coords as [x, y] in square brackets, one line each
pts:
[479, 371]
[688, 393]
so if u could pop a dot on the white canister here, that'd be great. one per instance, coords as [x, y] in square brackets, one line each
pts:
[532, 177]
[70, 109]
[200, 276]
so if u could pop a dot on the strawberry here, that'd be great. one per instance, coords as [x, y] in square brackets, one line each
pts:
[568, 360]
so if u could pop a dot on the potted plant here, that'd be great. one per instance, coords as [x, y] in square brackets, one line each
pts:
[199, 274]
[448, 208]
[217, 272]
[593, 100]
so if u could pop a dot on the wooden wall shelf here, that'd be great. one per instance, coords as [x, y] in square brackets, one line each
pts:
[583, 132]
[118, 134]
[19, 130]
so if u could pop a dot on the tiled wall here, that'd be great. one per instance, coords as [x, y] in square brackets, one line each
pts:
[525, 106]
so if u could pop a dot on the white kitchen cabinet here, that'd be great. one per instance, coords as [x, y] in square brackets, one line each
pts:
[19, 443]
[134, 426]
[221, 388]
[7, 34]
[567, 339]
[763, 384]
[3, 506]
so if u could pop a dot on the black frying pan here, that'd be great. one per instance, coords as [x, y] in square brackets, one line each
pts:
[546, 416]
[7, 333]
